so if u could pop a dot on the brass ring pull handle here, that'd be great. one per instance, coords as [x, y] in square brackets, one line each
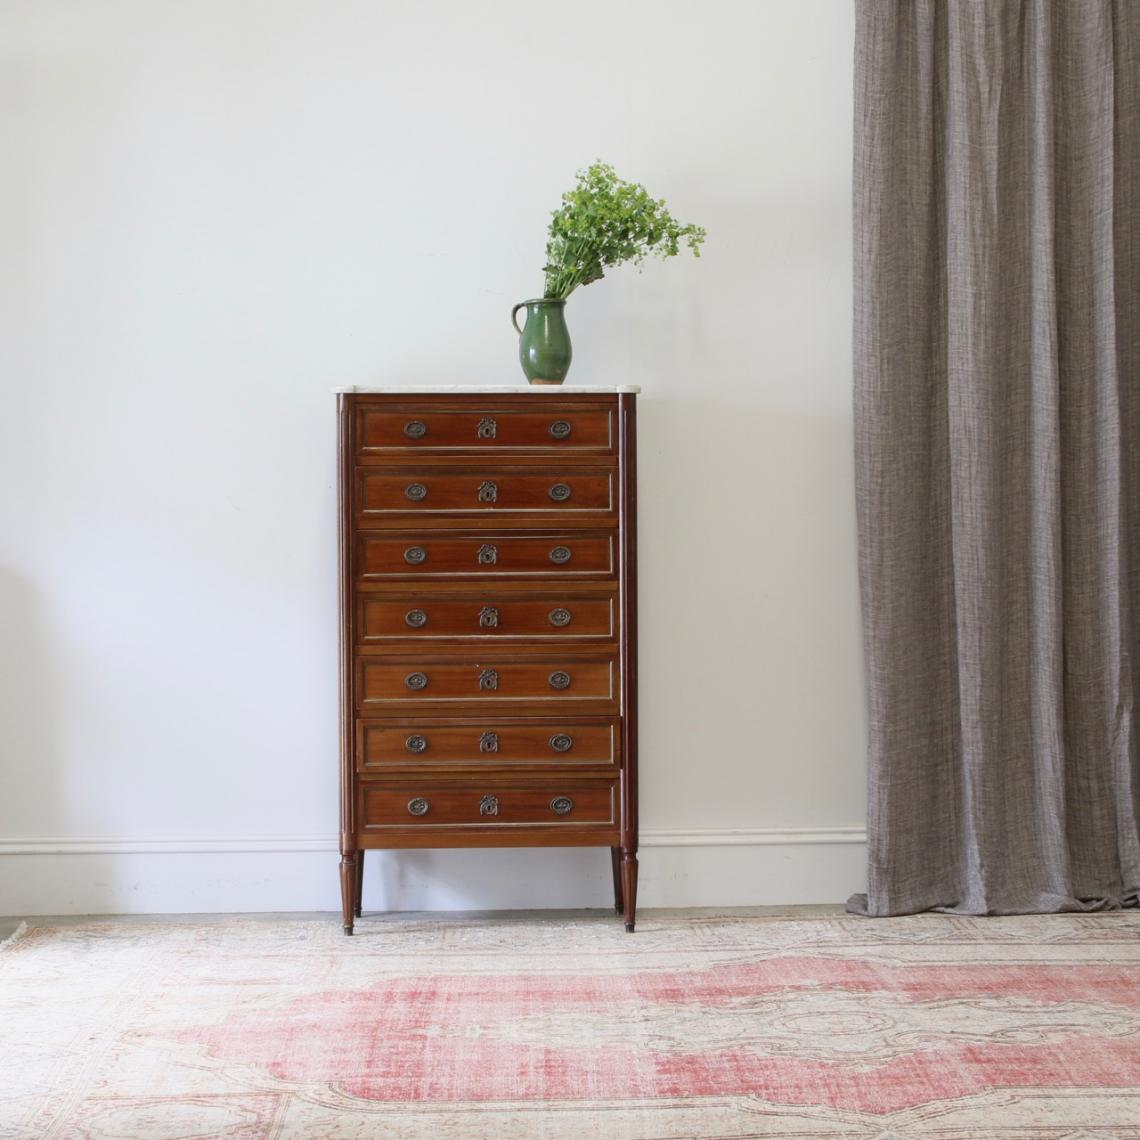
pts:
[415, 555]
[416, 492]
[488, 680]
[560, 492]
[417, 619]
[416, 743]
[562, 742]
[416, 681]
[418, 806]
[560, 555]
[559, 617]
[560, 429]
[562, 805]
[559, 680]
[415, 429]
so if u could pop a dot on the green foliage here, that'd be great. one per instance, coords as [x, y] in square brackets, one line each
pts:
[605, 222]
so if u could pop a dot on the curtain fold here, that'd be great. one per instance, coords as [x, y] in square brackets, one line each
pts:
[997, 360]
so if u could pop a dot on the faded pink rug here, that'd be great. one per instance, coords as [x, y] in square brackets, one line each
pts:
[699, 1025]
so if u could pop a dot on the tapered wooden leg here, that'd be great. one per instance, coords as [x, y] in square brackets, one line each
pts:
[615, 859]
[348, 876]
[359, 882]
[629, 888]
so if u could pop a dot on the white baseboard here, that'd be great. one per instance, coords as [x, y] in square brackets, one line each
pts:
[697, 867]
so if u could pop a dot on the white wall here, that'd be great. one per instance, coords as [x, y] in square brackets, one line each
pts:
[212, 212]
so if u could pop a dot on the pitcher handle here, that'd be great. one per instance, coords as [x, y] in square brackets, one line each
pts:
[520, 305]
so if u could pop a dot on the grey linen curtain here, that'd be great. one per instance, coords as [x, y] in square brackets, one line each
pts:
[997, 375]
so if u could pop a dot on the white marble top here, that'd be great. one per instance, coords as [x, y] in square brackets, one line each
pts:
[498, 389]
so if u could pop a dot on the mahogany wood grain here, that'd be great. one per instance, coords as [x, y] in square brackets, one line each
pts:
[428, 746]
[520, 835]
[559, 804]
[627, 415]
[430, 555]
[486, 490]
[348, 830]
[489, 616]
[491, 428]
[492, 680]
[484, 553]
[349, 871]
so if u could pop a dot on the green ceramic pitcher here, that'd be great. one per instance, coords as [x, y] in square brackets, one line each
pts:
[544, 341]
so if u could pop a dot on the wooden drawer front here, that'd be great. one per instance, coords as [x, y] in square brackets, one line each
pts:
[382, 745]
[485, 491]
[546, 680]
[445, 555]
[386, 430]
[428, 804]
[485, 617]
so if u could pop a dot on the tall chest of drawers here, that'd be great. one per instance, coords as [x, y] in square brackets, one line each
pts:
[488, 624]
